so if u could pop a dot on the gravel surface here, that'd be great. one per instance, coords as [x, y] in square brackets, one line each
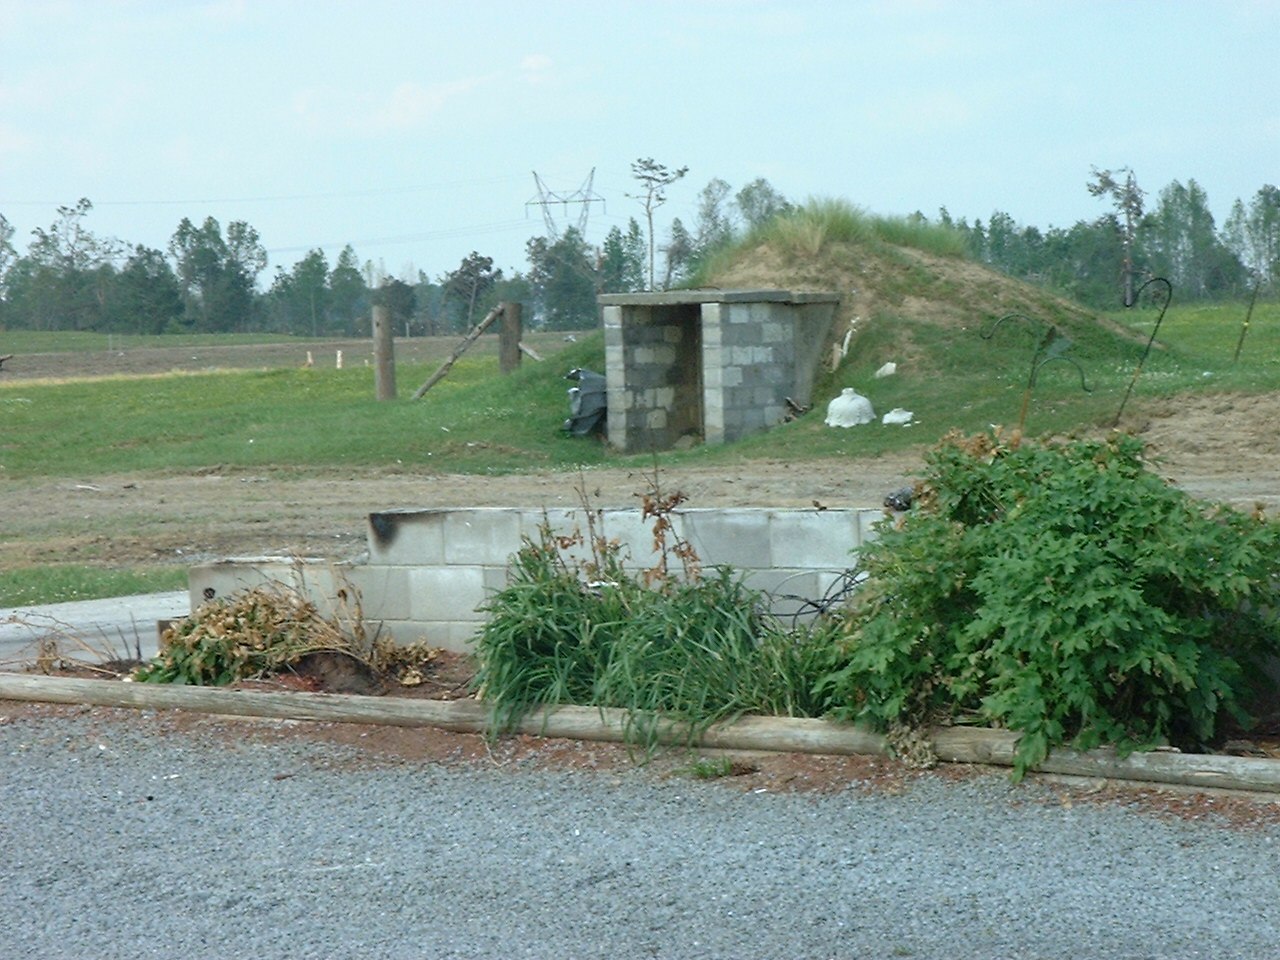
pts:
[118, 842]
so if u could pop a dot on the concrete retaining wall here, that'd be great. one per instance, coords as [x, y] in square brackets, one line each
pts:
[428, 570]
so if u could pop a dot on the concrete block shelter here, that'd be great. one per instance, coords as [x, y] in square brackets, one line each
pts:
[429, 570]
[715, 365]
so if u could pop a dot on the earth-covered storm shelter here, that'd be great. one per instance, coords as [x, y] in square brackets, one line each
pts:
[709, 366]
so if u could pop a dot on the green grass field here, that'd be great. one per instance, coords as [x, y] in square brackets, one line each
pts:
[477, 422]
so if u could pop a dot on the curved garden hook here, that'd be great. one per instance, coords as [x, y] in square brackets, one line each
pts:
[991, 331]
[1257, 282]
[1079, 369]
[1051, 346]
[1168, 296]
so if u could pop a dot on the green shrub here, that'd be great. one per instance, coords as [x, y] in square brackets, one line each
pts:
[1063, 591]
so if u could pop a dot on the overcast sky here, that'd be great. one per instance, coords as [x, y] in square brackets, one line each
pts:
[412, 129]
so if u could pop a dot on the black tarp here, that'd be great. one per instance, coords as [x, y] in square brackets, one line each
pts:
[587, 403]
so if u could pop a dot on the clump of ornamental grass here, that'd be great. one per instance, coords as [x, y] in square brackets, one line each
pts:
[674, 644]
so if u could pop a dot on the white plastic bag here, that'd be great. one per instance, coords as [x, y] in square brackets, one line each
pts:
[898, 416]
[850, 409]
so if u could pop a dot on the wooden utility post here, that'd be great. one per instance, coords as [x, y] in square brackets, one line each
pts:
[458, 351]
[509, 335]
[384, 354]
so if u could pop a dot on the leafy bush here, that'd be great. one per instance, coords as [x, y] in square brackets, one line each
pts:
[1064, 591]
[665, 644]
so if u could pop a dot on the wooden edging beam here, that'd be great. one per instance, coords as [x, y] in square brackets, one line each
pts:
[779, 734]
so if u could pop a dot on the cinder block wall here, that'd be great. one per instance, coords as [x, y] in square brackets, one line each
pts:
[428, 571]
[754, 361]
[719, 364]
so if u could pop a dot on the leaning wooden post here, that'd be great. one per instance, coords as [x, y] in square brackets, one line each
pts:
[384, 354]
[459, 350]
[509, 338]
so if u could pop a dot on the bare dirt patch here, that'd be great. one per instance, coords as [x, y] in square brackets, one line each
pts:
[1216, 447]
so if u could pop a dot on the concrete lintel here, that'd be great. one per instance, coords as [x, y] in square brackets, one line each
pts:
[676, 297]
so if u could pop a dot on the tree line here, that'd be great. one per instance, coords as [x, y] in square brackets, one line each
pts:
[1101, 262]
[210, 277]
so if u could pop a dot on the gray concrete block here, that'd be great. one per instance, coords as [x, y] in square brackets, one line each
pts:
[384, 590]
[481, 535]
[813, 539]
[210, 581]
[406, 537]
[495, 579]
[736, 537]
[446, 593]
[793, 596]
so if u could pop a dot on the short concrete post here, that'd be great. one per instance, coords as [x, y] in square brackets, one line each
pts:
[384, 354]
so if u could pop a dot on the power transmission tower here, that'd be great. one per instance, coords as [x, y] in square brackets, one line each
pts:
[547, 198]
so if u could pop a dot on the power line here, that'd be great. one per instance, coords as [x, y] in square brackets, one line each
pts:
[278, 198]
[496, 227]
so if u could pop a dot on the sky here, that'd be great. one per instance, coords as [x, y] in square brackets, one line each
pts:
[412, 130]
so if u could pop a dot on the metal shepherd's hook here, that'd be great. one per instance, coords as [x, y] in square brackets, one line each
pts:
[1257, 281]
[1051, 346]
[1168, 296]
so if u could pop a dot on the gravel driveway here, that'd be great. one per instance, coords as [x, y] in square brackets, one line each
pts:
[117, 842]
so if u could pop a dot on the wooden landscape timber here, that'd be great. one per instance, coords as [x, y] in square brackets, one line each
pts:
[777, 734]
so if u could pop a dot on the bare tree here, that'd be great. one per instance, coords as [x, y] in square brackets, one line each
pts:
[654, 178]
[1127, 198]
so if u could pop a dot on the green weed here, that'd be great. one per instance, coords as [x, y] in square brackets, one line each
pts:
[717, 768]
